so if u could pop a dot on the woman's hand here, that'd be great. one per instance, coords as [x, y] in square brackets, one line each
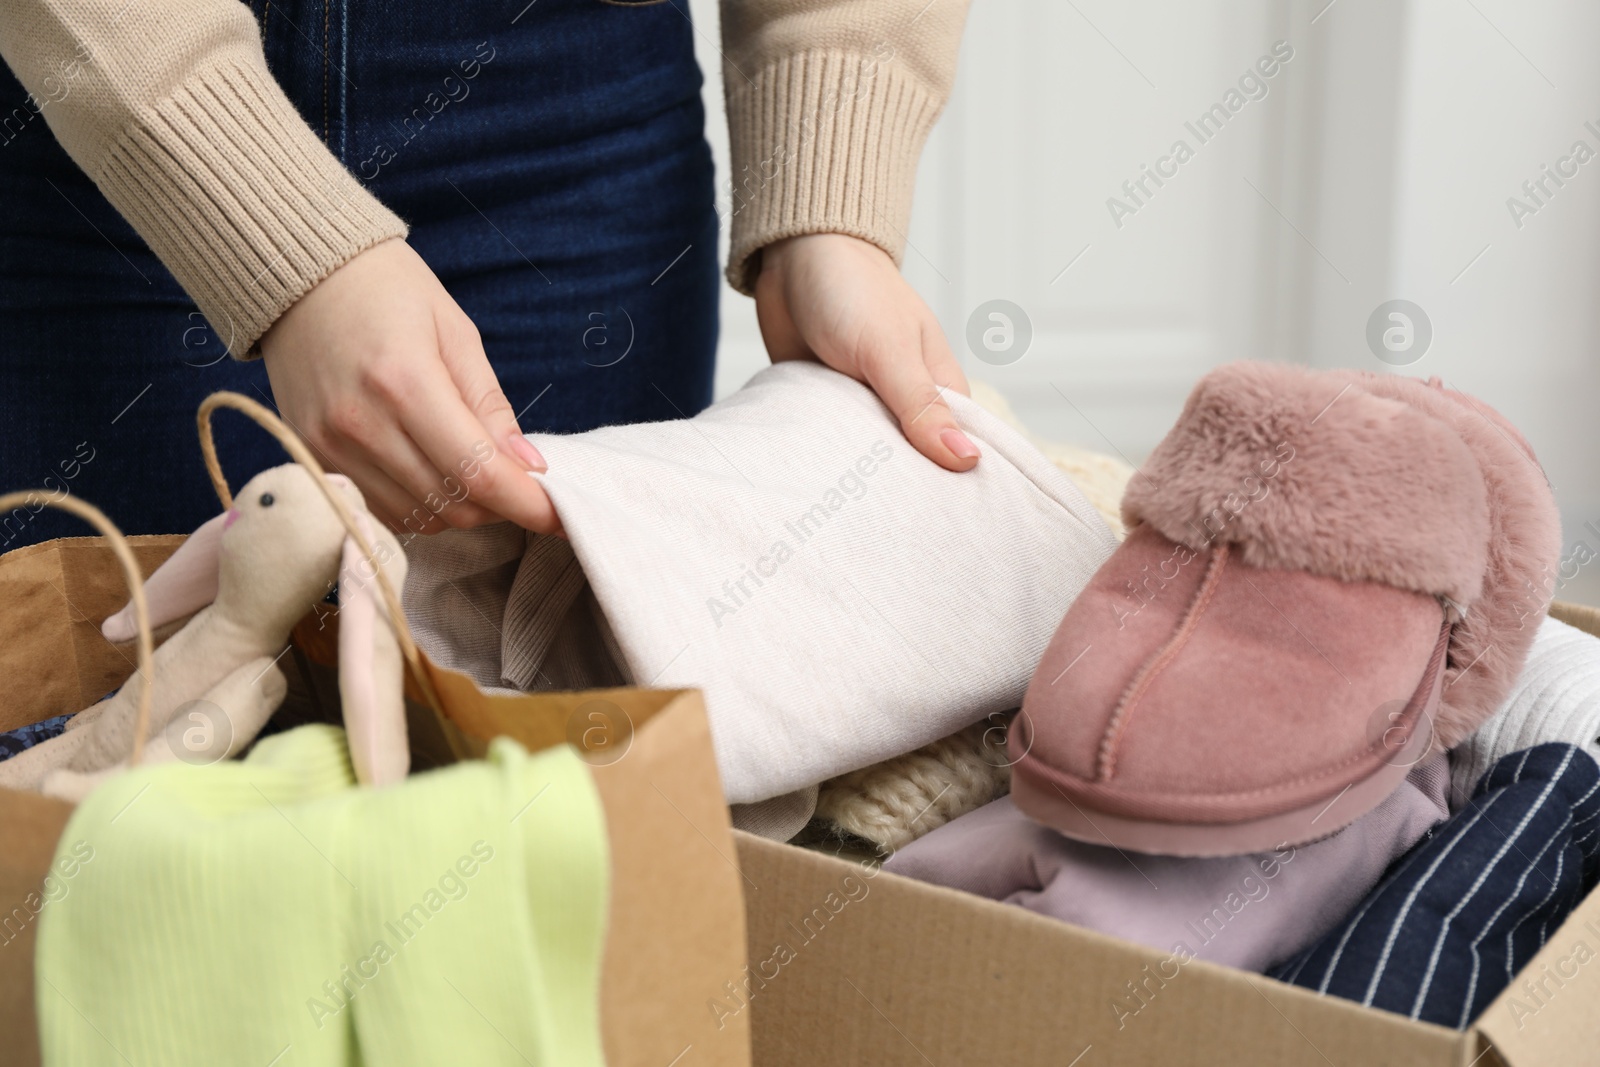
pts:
[841, 300]
[385, 375]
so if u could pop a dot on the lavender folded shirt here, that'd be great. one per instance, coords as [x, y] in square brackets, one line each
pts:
[1246, 911]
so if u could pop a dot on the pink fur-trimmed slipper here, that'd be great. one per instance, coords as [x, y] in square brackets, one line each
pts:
[1328, 575]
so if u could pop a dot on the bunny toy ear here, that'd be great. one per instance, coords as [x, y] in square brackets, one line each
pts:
[181, 586]
[371, 669]
[352, 495]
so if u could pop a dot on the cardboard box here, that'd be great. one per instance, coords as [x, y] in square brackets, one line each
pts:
[838, 962]
[676, 919]
[850, 965]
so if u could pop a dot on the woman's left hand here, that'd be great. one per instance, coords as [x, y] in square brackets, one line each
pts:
[841, 300]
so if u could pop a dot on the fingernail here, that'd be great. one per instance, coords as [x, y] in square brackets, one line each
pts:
[523, 449]
[959, 444]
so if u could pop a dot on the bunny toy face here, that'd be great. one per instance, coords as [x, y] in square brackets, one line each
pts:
[280, 546]
[263, 563]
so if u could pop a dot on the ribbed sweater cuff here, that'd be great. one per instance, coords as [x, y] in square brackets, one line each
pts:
[235, 194]
[824, 141]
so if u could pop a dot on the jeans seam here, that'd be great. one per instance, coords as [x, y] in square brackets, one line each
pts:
[344, 77]
[326, 138]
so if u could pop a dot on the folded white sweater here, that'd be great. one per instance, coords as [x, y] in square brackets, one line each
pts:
[1555, 698]
[839, 598]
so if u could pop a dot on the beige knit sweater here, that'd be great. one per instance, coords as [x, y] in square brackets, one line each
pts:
[169, 107]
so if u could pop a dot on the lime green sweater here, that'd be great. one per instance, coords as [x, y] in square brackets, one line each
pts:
[270, 912]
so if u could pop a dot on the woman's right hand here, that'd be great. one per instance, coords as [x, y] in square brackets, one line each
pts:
[386, 377]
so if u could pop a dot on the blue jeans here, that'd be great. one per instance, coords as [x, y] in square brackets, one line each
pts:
[552, 165]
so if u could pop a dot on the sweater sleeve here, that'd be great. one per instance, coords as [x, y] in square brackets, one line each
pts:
[829, 103]
[169, 107]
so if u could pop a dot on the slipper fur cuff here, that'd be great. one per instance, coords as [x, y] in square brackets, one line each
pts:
[1301, 470]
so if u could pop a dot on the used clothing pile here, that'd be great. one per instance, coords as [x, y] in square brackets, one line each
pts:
[859, 618]
[864, 625]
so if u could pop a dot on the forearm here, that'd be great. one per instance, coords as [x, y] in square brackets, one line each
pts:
[829, 103]
[169, 107]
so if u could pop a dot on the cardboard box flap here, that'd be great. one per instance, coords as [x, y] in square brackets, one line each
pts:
[1551, 1012]
[848, 965]
[1547, 1014]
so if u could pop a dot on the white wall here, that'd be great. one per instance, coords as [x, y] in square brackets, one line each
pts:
[1376, 167]
[1492, 93]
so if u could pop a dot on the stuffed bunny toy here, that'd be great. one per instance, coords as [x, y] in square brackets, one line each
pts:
[248, 576]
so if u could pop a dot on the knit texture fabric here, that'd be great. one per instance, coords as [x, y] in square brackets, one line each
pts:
[171, 109]
[839, 598]
[269, 912]
[892, 803]
[1555, 698]
[828, 108]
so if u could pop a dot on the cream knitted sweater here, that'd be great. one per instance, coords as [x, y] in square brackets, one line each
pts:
[168, 105]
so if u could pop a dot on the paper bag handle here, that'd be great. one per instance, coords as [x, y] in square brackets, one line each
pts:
[298, 451]
[130, 574]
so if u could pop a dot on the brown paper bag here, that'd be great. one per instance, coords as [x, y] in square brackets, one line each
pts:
[676, 914]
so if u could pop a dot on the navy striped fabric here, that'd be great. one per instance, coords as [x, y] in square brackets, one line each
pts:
[1460, 914]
